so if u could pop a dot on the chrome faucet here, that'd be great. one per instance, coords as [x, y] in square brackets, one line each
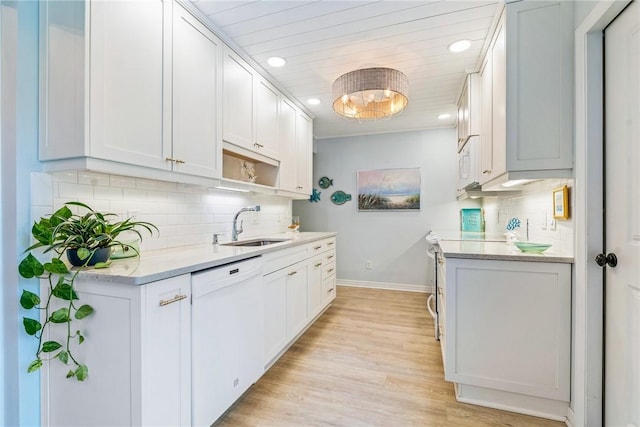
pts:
[235, 230]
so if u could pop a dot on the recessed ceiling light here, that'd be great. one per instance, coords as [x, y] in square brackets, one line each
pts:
[276, 61]
[459, 46]
[444, 116]
[313, 101]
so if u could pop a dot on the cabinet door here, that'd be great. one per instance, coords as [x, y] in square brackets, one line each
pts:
[499, 107]
[463, 115]
[195, 97]
[315, 285]
[297, 298]
[288, 168]
[486, 112]
[539, 52]
[237, 113]
[304, 152]
[166, 352]
[275, 314]
[498, 338]
[267, 100]
[129, 78]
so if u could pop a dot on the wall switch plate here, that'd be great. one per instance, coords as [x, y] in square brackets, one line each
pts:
[369, 264]
[544, 220]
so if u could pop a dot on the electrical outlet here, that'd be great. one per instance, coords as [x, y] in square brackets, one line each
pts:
[369, 264]
[552, 224]
[544, 220]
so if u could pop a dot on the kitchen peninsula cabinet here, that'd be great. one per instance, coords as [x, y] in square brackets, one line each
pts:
[508, 333]
[528, 73]
[138, 351]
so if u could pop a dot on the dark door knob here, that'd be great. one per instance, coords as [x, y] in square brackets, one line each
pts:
[610, 259]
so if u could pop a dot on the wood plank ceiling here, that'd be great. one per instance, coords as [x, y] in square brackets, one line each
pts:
[322, 40]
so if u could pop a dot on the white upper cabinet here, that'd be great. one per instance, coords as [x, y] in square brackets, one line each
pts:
[304, 153]
[196, 104]
[145, 89]
[237, 116]
[267, 104]
[296, 146]
[531, 94]
[288, 169]
[116, 51]
[146, 94]
[469, 109]
[250, 114]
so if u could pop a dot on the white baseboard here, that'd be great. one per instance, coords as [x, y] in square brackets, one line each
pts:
[571, 418]
[389, 286]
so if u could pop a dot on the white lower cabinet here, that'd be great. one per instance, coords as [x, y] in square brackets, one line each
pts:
[296, 289]
[138, 352]
[508, 339]
[181, 351]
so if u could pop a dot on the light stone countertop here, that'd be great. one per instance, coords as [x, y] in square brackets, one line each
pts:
[500, 251]
[161, 264]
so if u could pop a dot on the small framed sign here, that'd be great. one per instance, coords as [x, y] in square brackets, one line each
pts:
[561, 203]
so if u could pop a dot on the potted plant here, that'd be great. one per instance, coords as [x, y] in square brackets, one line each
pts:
[86, 240]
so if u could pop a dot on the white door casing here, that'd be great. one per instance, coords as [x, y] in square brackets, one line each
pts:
[622, 222]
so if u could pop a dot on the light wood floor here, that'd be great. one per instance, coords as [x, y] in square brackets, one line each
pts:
[370, 360]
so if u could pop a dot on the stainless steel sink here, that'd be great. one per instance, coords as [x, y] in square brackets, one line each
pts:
[255, 242]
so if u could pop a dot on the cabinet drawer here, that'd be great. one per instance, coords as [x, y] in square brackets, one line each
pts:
[323, 245]
[280, 259]
[328, 289]
[330, 256]
[328, 270]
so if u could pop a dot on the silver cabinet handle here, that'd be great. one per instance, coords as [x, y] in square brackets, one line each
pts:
[330, 257]
[330, 243]
[315, 248]
[330, 290]
[292, 273]
[330, 270]
[171, 159]
[177, 298]
[318, 264]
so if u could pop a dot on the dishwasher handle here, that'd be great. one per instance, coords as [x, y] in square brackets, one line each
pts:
[214, 279]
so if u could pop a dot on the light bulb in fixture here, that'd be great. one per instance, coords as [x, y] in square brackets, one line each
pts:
[313, 101]
[459, 46]
[444, 116]
[276, 61]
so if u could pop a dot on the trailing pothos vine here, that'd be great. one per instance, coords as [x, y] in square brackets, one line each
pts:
[87, 239]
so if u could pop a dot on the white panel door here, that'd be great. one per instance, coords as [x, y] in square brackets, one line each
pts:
[267, 100]
[304, 149]
[195, 96]
[288, 168]
[622, 282]
[166, 352]
[237, 113]
[128, 78]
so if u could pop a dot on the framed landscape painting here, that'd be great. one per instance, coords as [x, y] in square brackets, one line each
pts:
[389, 190]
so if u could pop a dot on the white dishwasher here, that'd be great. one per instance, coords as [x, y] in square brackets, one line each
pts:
[227, 336]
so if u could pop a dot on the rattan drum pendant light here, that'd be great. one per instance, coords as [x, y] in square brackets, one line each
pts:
[370, 93]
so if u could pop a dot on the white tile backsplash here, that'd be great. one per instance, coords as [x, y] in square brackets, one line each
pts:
[185, 214]
[535, 205]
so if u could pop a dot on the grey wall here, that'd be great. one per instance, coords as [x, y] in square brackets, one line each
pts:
[393, 241]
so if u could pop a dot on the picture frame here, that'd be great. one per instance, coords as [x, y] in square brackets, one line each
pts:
[386, 190]
[561, 203]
